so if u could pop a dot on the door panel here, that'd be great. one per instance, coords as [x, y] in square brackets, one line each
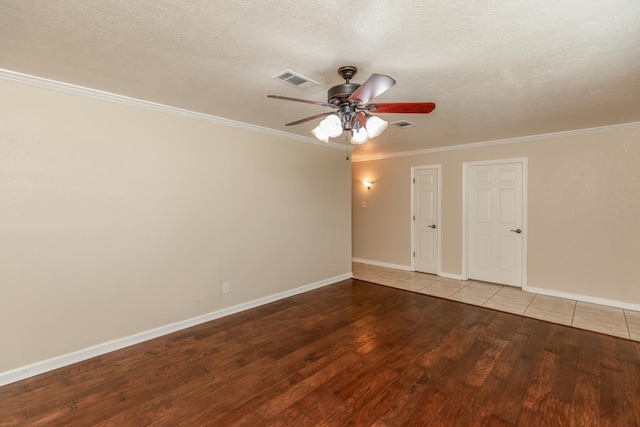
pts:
[483, 251]
[507, 206]
[495, 208]
[506, 251]
[426, 208]
[426, 246]
[483, 212]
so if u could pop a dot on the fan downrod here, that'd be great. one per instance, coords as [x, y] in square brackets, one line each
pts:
[347, 72]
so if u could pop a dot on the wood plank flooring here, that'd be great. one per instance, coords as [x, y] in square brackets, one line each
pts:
[349, 354]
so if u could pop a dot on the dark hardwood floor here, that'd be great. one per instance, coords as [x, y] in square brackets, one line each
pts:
[352, 353]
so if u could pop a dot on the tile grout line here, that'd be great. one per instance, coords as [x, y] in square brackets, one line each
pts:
[464, 287]
[494, 294]
[530, 302]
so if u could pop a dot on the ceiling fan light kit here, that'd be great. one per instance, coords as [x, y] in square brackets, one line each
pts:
[351, 100]
[320, 134]
[359, 136]
[375, 126]
[332, 126]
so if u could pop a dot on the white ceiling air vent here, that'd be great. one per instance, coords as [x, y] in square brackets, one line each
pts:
[295, 79]
[403, 124]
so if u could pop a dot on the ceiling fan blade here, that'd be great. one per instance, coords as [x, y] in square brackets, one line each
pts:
[286, 98]
[375, 85]
[307, 119]
[402, 107]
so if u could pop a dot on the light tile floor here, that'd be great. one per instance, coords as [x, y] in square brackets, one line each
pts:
[592, 317]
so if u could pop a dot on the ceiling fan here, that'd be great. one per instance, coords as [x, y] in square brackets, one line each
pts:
[353, 111]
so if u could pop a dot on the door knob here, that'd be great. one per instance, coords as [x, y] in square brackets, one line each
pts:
[432, 226]
[517, 231]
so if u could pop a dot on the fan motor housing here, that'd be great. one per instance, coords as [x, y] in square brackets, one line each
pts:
[339, 94]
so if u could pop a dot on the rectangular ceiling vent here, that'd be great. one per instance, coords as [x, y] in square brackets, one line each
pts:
[403, 124]
[295, 79]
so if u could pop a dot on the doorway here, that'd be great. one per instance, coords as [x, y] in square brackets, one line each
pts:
[494, 221]
[425, 219]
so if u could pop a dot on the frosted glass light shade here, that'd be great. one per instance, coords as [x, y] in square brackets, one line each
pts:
[320, 134]
[375, 126]
[331, 126]
[360, 136]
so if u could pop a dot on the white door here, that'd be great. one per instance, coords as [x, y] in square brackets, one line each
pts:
[495, 205]
[425, 220]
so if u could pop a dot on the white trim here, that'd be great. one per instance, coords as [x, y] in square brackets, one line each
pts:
[37, 368]
[584, 298]
[451, 276]
[382, 264]
[492, 143]
[465, 239]
[438, 168]
[465, 212]
[72, 89]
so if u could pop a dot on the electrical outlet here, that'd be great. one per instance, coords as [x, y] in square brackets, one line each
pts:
[225, 288]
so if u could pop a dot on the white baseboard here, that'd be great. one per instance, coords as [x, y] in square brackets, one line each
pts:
[583, 298]
[37, 368]
[451, 276]
[382, 264]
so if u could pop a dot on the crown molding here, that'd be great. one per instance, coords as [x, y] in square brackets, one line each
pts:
[68, 88]
[517, 140]
[72, 89]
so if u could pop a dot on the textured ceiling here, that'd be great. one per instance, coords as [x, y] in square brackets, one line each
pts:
[495, 69]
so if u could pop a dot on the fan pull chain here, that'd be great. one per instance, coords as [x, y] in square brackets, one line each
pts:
[347, 145]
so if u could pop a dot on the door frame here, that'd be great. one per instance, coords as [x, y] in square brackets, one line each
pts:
[465, 212]
[438, 168]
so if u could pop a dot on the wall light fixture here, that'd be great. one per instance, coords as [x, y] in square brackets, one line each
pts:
[367, 183]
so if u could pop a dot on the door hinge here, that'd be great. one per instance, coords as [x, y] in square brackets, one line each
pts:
[414, 180]
[414, 217]
[414, 254]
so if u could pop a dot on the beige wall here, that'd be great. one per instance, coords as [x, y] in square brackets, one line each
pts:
[115, 220]
[583, 212]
